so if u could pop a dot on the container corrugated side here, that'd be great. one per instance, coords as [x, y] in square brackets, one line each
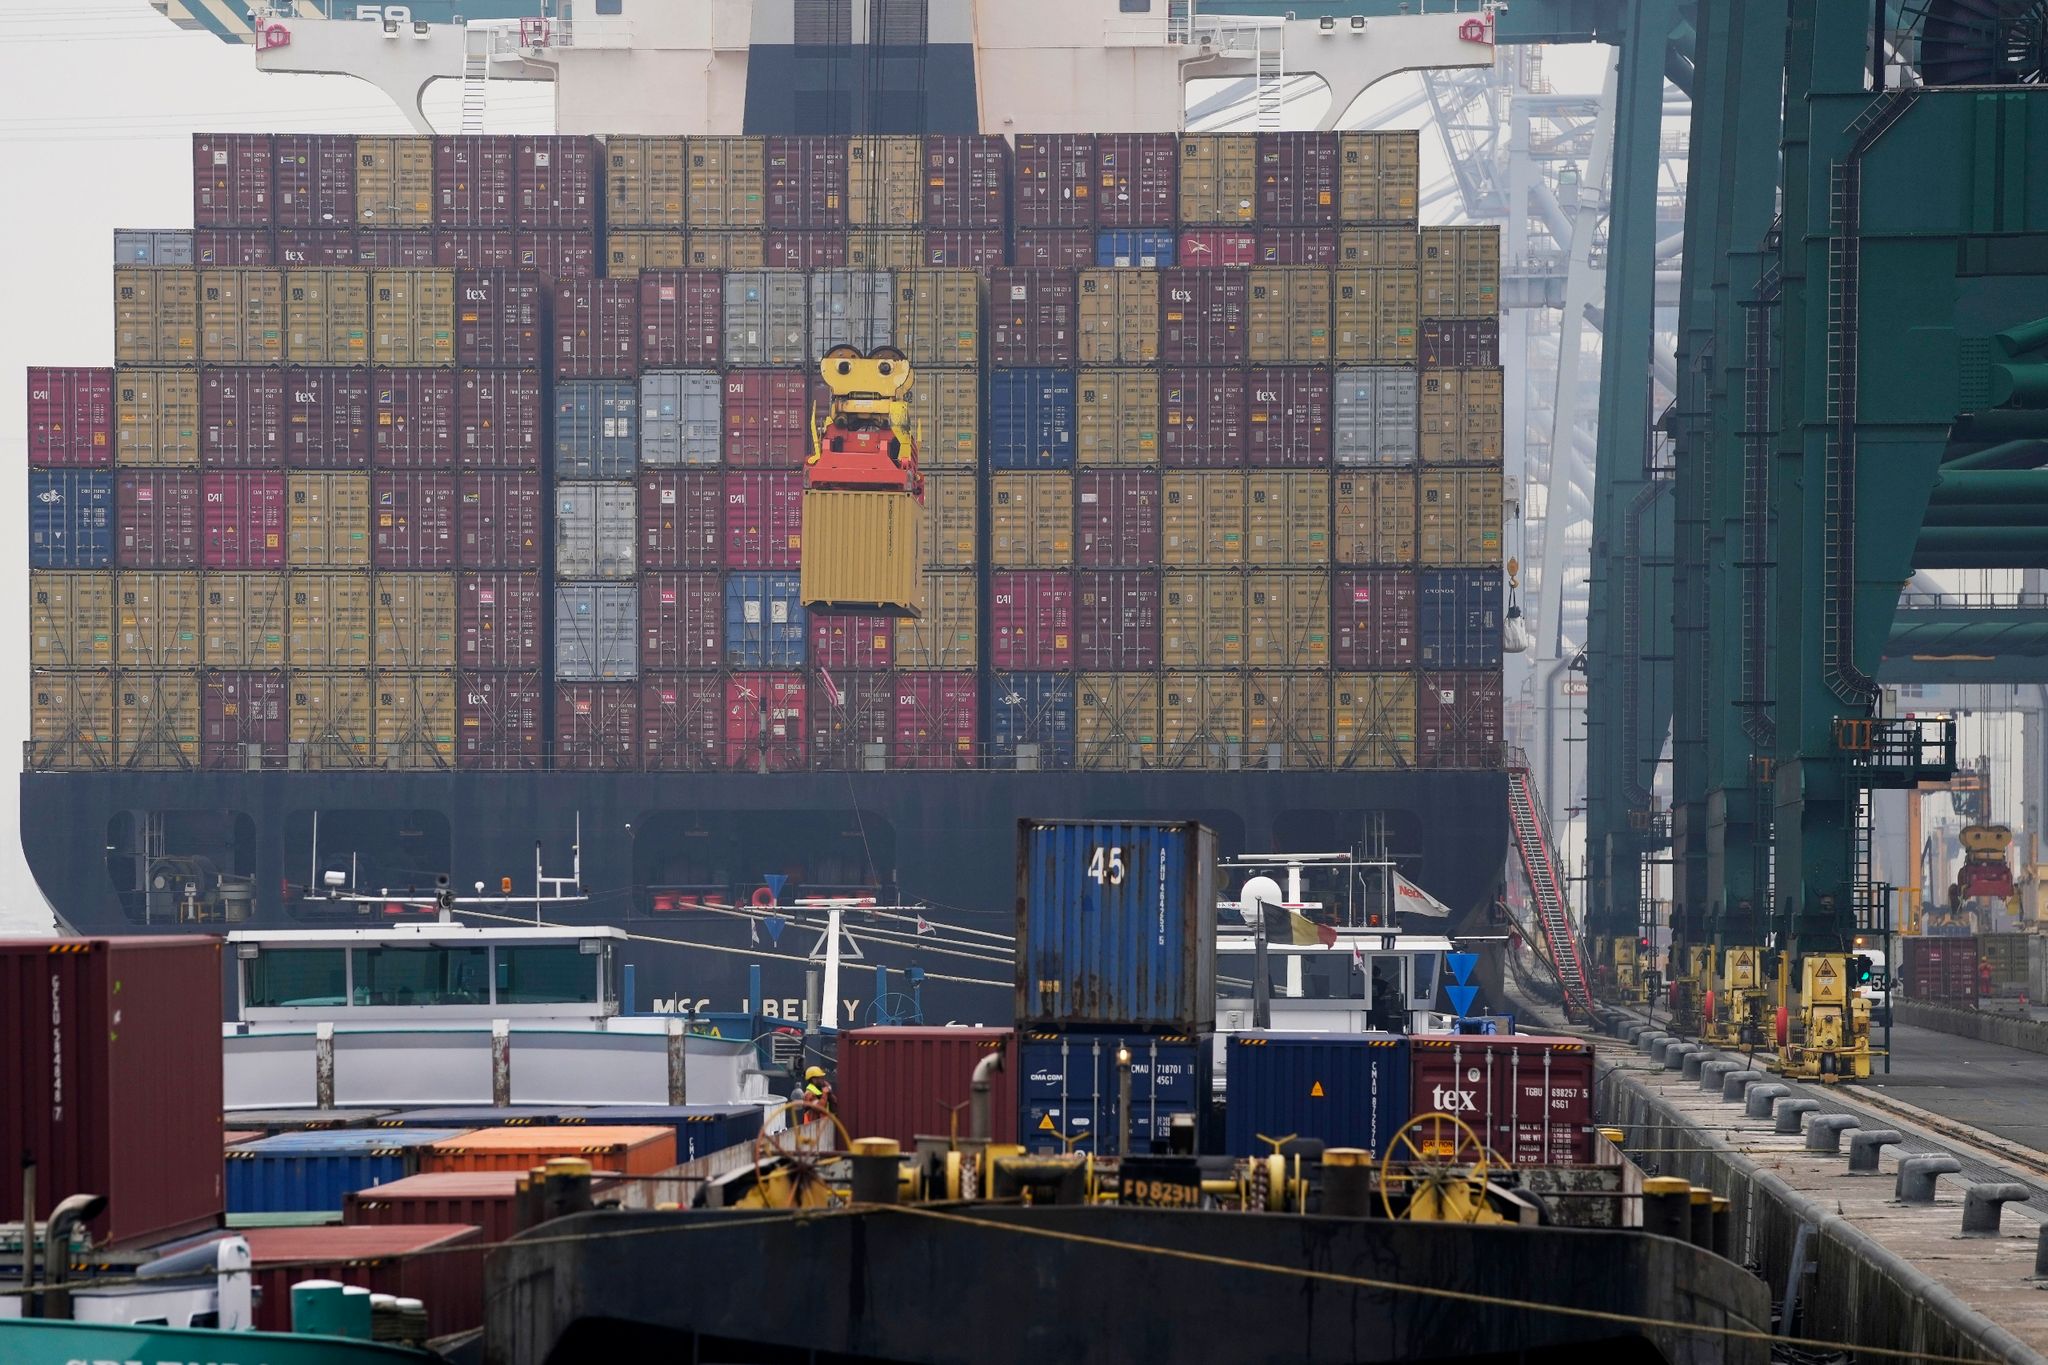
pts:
[378, 1258]
[1344, 1089]
[1068, 1089]
[1530, 1098]
[319, 1169]
[904, 1082]
[866, 551]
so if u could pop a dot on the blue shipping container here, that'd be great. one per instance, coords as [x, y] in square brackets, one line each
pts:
[1346, 1089]
[1458, 618]
[594, 429]
[764, 621]
[1067, 1088]
[1031, 419]
[1116, 925]
[1033, 708]
[1148, 247]
[311, 1171]
[70, 519]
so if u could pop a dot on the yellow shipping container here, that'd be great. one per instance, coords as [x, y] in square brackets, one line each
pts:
[1287, 519]
[1116, 418]
[884, 186]
[1119, 317]
[949, 633]
[1378, 176]
[70, 720]
[862, 552]
[644, 181]
[395, 182]
[938, 317]
[884, 248]
[243, 620]
[1031, 521]
[413, 620]
[156, 316]
[241, 317]
[1379, 248]
[1219, 179]
[1376, 316]
[1287, 620]
[327, 520]
[1287, 719]
[1202, 522]
[1116, 720]
[156, 620]
[1462, 414]
[1374, 516]
[329, 620]
[952, 521]
[1201, 720]
[724, 182]
[1460, 521]
[743, 250]
[156, 719]
[71, 619]
[327, 317]
[628, 253]
[331, 718]
[156, 418]
[413, 720]
[1373, 720]
[1460, 275]
[1289, 316]
[412, 317]
[1201, 618]
[945, 412]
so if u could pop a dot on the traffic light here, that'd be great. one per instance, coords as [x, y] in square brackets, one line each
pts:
[444, 894]
[1861, 965]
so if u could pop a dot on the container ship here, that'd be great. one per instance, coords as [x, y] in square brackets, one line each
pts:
[439, 517]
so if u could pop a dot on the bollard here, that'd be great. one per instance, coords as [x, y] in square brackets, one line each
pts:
[1724, 1228]
[1347, 1182]
[1917, 1174]
[1662, 1052]
[1824, 1131]
[1648, 1042]
[1701, 1221]
[1712, 1072]
[876, 1162]
[1790, 1112]
[1865, 1146]
[1675, 1055]
[1636, 1031]
[1736, 1082]
[2041, 1254]
[1691, 1070]
[1667, 1207]
[1757, 1103]
[1982, 1205]
[565, 1187]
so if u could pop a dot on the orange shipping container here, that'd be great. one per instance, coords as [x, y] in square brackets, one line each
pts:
[329, 615]
[1201, 619]
[156, 316]
[628, 253]
[71, 620]
[1374, 517]
[412, 317]
[1460, 517]
[885, 188]
[1378, 176]
[1031, 521]
[1117, 416]
[1375, 314]
[1287, 720]
[629, 1150]
[1460, 275]
[327, 521]
[1201, 720]
[1287, 520]
[156, 620]
[1379, 247]
[241, 317]
[1219, 179]
[1287, 620]
[1120, 319]
[1202, 522]
[395, 182]
[938, 318]
[945, 412]
[725, 182]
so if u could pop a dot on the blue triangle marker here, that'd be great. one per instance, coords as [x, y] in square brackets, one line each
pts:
[775, 881]
[1461, 998]
[1461, 965]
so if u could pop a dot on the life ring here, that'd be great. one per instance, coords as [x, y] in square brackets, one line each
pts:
[763, 897]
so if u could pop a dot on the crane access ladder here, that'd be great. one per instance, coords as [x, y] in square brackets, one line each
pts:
[1546, 888]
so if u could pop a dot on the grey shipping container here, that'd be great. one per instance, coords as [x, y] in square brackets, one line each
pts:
[854, 308]
[765, 317]
[596, 529]
[1375, 416]
[681, 418]
[594, 429]
[597, 631]
[153, 246]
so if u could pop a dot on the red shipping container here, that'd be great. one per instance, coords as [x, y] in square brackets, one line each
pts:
[499, 621]
[315, 181]
[1458, 719]
[326, 418]
[966, 181]
[114, 1081]
[1287, 417]
[767, 419]
[484, 1199]
[1298, 179]
[906, 1083]
[682, 519]
[233, 248]
[412, 520]
[1946, 969]
[406, 249]
[476, 248]
[597, 725]
[850, 714]
[597, 329]
[473, 182]
[497, 721]
[851, 643]
[1031, 317]
[935, 719]
[1460, 344]
[682, 722]
[571, 255]
[1372, 615]
[231, 180]
[501, 318]
[1055, 248]
[764, 514]
[1529, 1098]
[1031, 620]
[682, 618]
[241, 417]
[244, 719]
[379, 1258]
[70, 417]
[1298, 246]
[501, 517]
[682, 318]
[1116, 621]
[316, 248]
[243, 519]
[1053, 183]
[1137, 180]
[1203, 316]
[414, 419]
[1202, 419]
[156, 519]
[1116, 519]
[805, 183]
[1231, 247]
[560, 181]
[499, 419]
[955, 249]
[792, 249]
[764, 722]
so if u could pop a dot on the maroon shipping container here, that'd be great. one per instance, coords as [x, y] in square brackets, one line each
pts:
[413, 519]
[1055, 248]
[1231, 247]
[114, 1080]
[906, 1083]
[764, 515]
[501, 514]
[966, 181]
[960, 249]
[377, 1257]
[792, 249]
[1298, 179]
[1945, 969]
[1031, 317]
[326, 418]
[233, 248]
[764, 722]
[1530, 1098]
[1053, 182]
[682, 618]
[476, 248]
[682, 318]
[316, 248]
[414, 416]
[315, 181]
[501, 318]
[1458, 719]
[805, 183]
[597, 725]
[682, 519]
[571, 255]
[559, 180]
[408, 249]
[70, 417]
[241, 417]
[1137, 179]
[231, 180]
[1116, 519]
[936, 719]
[682, 722]
[156, 519]
[499, 419]
[1203, 317]
[1297, 246]
[499, 623]
[597, 329]
[1287, 417]
[243, 519]
[851, 643]
[244, 719]
[1031, 620]
[484, 1199]
[1460, 344]
[849, 713]
[767, 419]
[1116, 621]
[1373, 617]
[473, 182]
[497, 721]
[1202, 419]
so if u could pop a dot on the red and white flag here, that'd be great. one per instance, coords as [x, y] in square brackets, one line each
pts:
[924, 927]
[832, 692]
[754, 930]
[1357, 959]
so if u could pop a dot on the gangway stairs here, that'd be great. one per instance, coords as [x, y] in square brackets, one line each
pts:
[1546, 890]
